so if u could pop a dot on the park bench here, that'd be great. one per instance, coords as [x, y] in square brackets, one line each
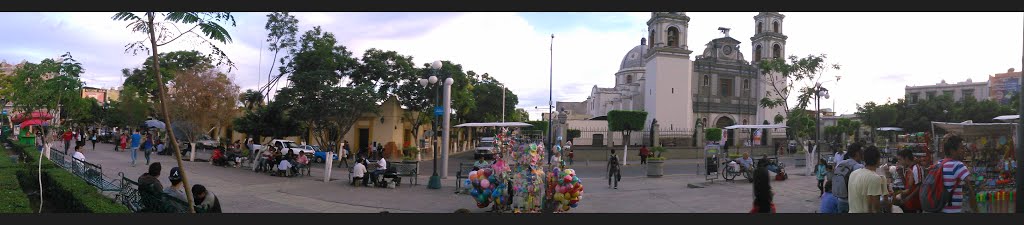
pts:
[408, 170]
[463, 173]
[93, 175]
[130, 196]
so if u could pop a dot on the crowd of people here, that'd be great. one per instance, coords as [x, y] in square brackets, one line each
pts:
[153, 193]
[862, 182]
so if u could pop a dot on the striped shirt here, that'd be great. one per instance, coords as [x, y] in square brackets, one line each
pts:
[951, 172]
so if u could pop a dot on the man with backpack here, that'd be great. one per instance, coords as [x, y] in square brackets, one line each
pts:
[841, 175]
[614, 174]
[943, 188]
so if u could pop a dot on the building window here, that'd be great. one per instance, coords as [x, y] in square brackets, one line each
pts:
[746, 84]
[726, 87]
[929, 95]
[652, 40]
[673, 90]
[707, 81]
[629, 79]
[913, 97]
[775, 26]
[759, 27]
[757, 53]
[776, 51]
[673, 36]
[967, 93]
[947, 93]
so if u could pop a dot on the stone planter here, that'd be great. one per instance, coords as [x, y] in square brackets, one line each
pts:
[655, 168]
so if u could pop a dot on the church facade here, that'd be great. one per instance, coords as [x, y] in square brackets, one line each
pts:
[717, 88]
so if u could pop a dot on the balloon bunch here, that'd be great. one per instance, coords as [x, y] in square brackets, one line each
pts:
[565, 188]
[528, 178]
[488, 187]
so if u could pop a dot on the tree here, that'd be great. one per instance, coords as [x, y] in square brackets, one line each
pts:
[626, 121]
[386, 71]
[49, 85]
[144, 78]
[282, 28]
[202, 99]
[781, 76]
[418, 101]
[488, 102]
[268, 121]
[573, 134]
[519, 115]
[251, 99]
[207, 22]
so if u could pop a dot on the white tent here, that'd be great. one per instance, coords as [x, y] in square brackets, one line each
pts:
[889, 129]
[755, 126]
[1007, 118]
[497, 124]
[977, 129]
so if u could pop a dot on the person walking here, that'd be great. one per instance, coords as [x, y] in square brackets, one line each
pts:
[67, 140]
[841, 173]
[147, 146]
[762, 192]
[644, 153]
[93, 139]
[136, 140]
[820, 173]
[614, 174]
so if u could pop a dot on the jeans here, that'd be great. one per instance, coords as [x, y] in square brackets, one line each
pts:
[844, 206]
[375, 175]
[614, 174]
[134, 153]
[147, 151]
[66, 145]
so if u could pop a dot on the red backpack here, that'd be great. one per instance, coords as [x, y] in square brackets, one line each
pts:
[934, 195]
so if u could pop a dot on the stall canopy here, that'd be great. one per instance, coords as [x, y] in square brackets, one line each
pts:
[1007, 118]
[755, 126]
[32, 122]
[890, 129]
[977, 129]
[498, 124]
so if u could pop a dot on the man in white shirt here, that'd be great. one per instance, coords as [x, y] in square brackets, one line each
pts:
[866, 187]
[382, 165]
[839, 156]
[359, 172]
[78, 153]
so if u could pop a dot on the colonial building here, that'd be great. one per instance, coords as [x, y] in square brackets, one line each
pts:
[999, 87]
[719, 88]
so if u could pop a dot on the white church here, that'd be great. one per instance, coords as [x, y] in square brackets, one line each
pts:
[717, 88]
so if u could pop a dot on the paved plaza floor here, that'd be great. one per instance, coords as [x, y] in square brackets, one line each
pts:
[244, 191]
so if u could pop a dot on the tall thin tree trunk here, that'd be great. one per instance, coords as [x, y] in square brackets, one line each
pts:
[167, 116]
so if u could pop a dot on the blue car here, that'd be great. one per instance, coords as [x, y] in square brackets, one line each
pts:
[319, 154]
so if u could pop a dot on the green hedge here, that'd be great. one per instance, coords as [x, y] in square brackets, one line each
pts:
[13, 198]
[79, 193]
[69, 192]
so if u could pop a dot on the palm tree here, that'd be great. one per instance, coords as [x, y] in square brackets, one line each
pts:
[207, 23]
[251, 99]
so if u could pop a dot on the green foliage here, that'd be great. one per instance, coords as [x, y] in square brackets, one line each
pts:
[167, 31]
[573, 133]
[624, 120]
[129, 110]
[385, 71]
[171, 64]
[71, 192]
[713, 134]
[13, 198]
[796, 70]
[800, 123]
[538, 125]
[917, 117]
[410, 152]
[29, 91]
[268, 121]
[251, 99]
[657, 150]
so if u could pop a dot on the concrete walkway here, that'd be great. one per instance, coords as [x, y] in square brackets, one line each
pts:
[242, 190]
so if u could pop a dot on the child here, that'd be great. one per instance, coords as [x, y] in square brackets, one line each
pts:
[570, 156]
[820, 172]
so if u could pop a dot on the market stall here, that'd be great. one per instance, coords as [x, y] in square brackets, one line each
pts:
[991, 160]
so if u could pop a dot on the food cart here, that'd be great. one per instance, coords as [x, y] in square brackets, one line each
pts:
[991, 160]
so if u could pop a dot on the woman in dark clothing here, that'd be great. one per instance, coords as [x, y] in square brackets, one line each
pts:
[762, 192]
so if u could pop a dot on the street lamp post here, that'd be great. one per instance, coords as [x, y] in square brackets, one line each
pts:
[819, 92]
[435, 180]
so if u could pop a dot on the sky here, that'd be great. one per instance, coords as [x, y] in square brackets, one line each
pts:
[879, 52]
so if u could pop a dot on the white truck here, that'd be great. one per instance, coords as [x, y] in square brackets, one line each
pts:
[285, 145]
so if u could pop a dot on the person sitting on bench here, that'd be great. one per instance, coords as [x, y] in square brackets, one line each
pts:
[382, 166]
[284, 167]
[359, 172]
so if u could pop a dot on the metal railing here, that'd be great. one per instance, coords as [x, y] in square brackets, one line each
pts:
[91, 173]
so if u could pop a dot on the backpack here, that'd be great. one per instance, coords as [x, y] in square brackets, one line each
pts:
[933, 193]
[843, 171]
[613, 160]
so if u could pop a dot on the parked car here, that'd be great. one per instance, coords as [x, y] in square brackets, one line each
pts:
[285, 145]
[485, 149]
[318, 154]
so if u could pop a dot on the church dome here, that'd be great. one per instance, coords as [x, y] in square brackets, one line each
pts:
[635, 56]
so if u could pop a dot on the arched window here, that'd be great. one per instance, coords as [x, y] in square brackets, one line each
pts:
[746, 84]
[760, 27]
[653, 42]
[757, 53]
[707, 80]
[629, 79]
[775, 26]
[673, 36]
[776, 51]
[744, 121]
